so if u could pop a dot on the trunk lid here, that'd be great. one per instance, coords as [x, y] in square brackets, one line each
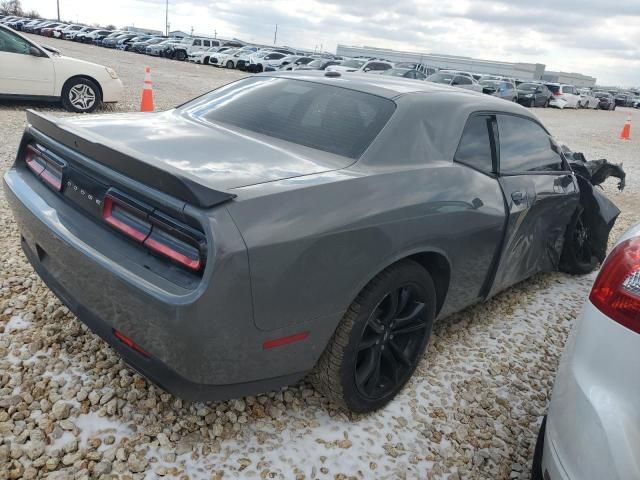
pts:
[166, 149]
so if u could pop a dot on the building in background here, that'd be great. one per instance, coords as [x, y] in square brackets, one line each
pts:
[577, 79]
[519, 70]
[143, 31]
[523, 71]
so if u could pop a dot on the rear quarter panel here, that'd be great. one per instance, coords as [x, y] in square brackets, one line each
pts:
[314, 242]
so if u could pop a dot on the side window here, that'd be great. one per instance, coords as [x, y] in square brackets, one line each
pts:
[474, 149]
[463, 80]
[420, 75]
[526, 147]
[11, 43]
[206, 43]
[197, 43]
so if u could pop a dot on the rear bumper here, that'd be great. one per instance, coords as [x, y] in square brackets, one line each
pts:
[203, 343]
[593, 427]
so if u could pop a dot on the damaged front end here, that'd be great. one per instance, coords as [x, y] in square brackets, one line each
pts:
[588, 234]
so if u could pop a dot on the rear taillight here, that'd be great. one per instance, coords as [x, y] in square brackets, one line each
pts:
[155, 230]
[49, 169]
[558, 93]
[616, 291]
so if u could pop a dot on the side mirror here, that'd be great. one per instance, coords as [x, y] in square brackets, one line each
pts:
[454, 83]
[367, 69]
[34, 52]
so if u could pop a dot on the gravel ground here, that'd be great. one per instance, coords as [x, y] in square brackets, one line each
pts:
[70, 408]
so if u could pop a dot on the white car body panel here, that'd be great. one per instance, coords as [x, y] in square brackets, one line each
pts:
[593, 426]
[28, 75]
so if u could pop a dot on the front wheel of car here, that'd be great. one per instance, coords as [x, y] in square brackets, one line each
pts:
[81, 95]
[230, 64]
[577, 256]
[380, 340]
[532, 103]
[181, 55]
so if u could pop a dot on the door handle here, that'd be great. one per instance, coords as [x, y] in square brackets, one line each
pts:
[518, 197]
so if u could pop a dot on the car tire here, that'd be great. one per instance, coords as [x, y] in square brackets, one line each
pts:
[355, 372]
[81, 95]
[547, 103]
[229, 64]
[181, 55]
[532, 103]
[205, 61]
[577, 257]
[536, 466]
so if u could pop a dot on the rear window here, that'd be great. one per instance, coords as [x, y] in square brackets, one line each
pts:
[554, 88]
[325, 117]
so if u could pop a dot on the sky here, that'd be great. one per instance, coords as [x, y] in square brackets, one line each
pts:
[593, 37]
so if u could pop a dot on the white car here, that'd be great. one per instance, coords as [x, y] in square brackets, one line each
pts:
[470, 75]
[240, 55]
[71, 34]
[587, 100]
[564, 96]
[592, 431]
[455, 80]
[223, 57]
[59, 32]
[361, 65]
[30, 71]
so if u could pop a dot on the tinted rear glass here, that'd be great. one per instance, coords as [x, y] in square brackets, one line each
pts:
[554, 88]
[328, 118]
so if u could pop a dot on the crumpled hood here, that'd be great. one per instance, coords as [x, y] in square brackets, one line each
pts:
[212, 155]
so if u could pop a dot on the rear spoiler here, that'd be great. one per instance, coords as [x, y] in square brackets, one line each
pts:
[172, 183]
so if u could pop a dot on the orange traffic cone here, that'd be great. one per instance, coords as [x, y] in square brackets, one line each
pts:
[626, 130]
[147, 92]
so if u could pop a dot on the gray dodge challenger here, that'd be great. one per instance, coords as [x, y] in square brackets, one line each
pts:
[297, 224]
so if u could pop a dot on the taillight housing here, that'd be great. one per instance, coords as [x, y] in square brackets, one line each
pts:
[616, 291]
[160, 233]
[46, 167]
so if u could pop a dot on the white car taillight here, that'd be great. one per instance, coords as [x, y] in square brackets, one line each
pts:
[616, 291]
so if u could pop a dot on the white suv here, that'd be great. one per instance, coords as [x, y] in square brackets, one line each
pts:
[30, 71]
[190, 45]
[361, 65]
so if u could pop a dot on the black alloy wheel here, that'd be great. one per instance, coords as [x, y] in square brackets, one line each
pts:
[391, 342]
[380, 341]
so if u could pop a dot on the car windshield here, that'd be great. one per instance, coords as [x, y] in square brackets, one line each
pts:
[324, 117]
[315, 63]
[527, 87]
[601, 94]
[353, 63]
[444, 78]
[490, 83]
[554, 88]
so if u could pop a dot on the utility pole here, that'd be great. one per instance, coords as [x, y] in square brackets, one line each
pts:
[275, 35]
[166, 19]
[58, 3]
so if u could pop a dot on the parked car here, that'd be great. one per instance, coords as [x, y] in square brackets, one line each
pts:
[532, 94]
[636, 102]
[592, 431]
[48, 31]
[71, 34]
[587, 99]
[500, 88]
[336, 247]
[243, 55]
[318, 64]
[405, 73]
[113, 41]
[421, 67]
[90, 36]
[459, 72]
[564, 96]
[125, 44]
[93, 37]
[202, 56]
[623, 100]
[158, 49]
[29, 26]
[231, 60]
[30, 71]
[293, 61]
[454, 80]
[180, 51]
[38, 29]
[361, 65]
[59, 31]
[606, 100]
